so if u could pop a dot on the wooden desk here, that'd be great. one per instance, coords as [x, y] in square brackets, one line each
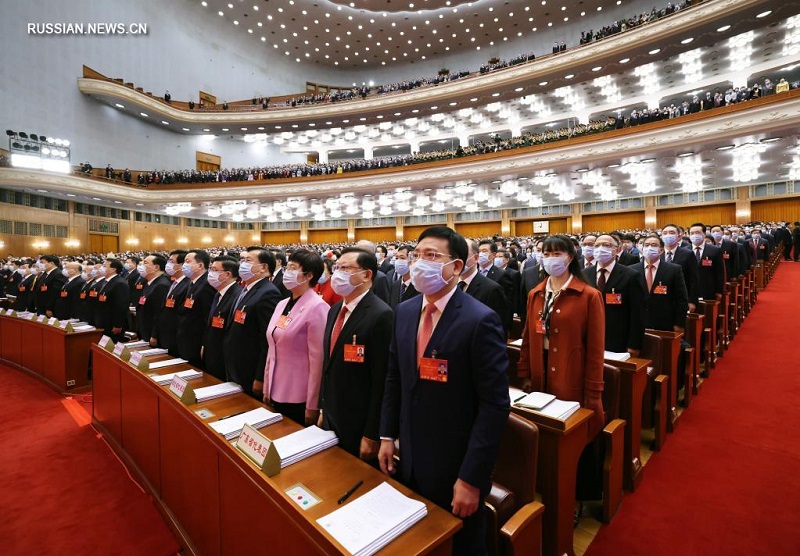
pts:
[560, 447]
[211, 495]
[58, 358]
[633, 380]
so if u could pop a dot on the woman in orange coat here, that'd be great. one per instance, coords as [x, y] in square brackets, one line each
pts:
[564, 337]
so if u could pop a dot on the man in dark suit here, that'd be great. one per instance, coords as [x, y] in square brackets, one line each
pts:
[488, 292]
[730, 252]
[514, 278]
[744, 258]
[223, 276]
[710, 265]
[25, 299]
[784, 236]
[384, 263]
[111, 314]
[401, 289]
[667, 299]
[380, 283]
[487, 252]
[277, 277]
[151, 303]
[14, 278]
[529, 279]
[759, 247]
[674, 253]
[623, 297]
[447, 422]
[245, 344]
[66, 306]
[135, 280]
[796, 241]
[48, 286]
[167, 332]
[352, 385]
[193, 312]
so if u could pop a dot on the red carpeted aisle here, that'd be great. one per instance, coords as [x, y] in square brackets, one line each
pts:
[63, 491]
[728, 480]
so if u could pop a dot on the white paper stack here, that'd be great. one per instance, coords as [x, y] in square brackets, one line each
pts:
[166, 379]
[137, 344]
[370, 522]
[615, 356]
[559, 409]
[304, 443]
[534, 400]
[231, 427]
[167, 363]
[216, 391]
[152, 351]
[83, 327]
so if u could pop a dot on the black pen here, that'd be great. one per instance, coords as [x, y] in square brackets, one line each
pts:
[347, 494]
[232, 415]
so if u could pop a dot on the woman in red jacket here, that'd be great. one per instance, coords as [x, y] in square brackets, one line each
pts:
[564, 337]
[323, 287]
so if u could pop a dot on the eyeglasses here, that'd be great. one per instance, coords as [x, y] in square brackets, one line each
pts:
[347, 269]
[427, 256]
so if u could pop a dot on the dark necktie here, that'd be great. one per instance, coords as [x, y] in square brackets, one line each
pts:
[697, 254]
[214, 305]
[403, 289]
[669, 256]
[463, 285]
[238, 300]
[601, 280]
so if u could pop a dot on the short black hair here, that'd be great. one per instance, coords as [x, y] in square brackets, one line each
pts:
[455, 241]
[658, 237]
[703, 226]
[116, 264]
[159, 260]
[201, 255]
[181, 255]
[382, 249]
[264, 257]
[492, 245]
[51, 259]
[309, 262]
[365, 260]
[229, 264]
[136, 260]
[403, 246]
[280, 256]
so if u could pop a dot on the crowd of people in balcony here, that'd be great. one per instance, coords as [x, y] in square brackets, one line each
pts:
[622, 25]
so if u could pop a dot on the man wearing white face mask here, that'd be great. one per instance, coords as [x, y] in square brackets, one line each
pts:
[623, 297]
[66, 305]
[447, 399]
[135, 280]
[710, 266]
[402, 289]
[587, 250]
[667, 299]
[48, 285]
[730, 252]
[487, 291]
[25, 300]
[195, 307]
[223, 276]
[674, 253]
[167, 332]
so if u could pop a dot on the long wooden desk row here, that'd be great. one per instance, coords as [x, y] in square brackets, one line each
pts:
[214, 498]
[48, 352]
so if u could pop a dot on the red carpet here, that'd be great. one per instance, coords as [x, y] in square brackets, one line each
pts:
[63, 490]
[727, 481]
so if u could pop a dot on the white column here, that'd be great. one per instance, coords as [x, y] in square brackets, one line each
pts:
[323, 156]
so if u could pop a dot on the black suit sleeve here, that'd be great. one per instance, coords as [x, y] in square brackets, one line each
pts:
[118, 299]
[638, 294]
[264, 309]
[158, 296]
[381, 336]
[681, 300]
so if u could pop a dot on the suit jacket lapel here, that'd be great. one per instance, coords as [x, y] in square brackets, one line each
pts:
[613, 280]
[346, 335]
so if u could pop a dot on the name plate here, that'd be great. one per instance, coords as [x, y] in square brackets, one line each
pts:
[106, 343]
[122, 351]
[11, 313]
[52, 321]
[260, 450]
[180, 387]
[40, 318]
[139, 361]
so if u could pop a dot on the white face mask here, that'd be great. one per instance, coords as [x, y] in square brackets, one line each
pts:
[587, 251]
[426, 276]
[603, 254]
[498, 262]
[102, 271]
[214, 279]
[340, 282]
[169, 268]
[650, 252]
[65, 272]
[291, 279]
[555, 266]
[670, 239]
[141, 269]
[245, 270]
[483, 259]
[698, 239]
[401, 267]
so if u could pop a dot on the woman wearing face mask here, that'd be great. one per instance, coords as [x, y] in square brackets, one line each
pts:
[323, 287]
[564, 336]
[293, 372]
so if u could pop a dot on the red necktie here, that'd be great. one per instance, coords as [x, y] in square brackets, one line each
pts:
[425, 330]
[337, 327]
[649, 278]
[601, 281]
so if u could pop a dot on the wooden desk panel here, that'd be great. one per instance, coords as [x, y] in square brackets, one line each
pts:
[139, 420]
[190, 479]
[633, 379]
[33, 350]
[12, 340]
[106, 392]
[560, 447]
[77, 347]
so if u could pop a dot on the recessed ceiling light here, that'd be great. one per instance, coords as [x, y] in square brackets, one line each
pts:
[517, 90]
[185, 129]
[495, 94]
[771, 140]
[684, 155]
[42, 190]
[725, 147]
[764, 14]
[543, 83]
[117, 202]
[70, 194]
[118, 105]
[597, 68]
[687, 40]
[474, 99]
[143, 115]
[723, 28]
[165, 122]
[206, 129]
[139, 204]
[624, 60]
[244, 129]
[225, 129]
[582, 170]
[654, 51]
[613, 166]
[96, 199]
[569, 76]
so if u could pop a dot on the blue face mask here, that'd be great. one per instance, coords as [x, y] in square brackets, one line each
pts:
[245, 270]
[187, 270]
[401, 267]
[427, 276]
[555, 266]
[498, 262]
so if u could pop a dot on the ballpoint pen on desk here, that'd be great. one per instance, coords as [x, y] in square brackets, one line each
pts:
[232, 415]
[347, 494]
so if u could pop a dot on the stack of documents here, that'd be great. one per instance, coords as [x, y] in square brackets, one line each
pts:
[231, 427]
[83, 327]
[304, 443]
[166, 379]
[136, 344]
[167, 363]
[533, 400]
[216, 391]
[559, 409]
[373, 520]
[615, 356]
[152, 351]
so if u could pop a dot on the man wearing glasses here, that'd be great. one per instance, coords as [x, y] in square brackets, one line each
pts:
[446, 393]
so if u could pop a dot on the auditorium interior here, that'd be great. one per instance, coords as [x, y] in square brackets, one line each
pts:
[221, 123]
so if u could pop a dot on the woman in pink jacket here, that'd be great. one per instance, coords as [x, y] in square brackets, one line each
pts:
[293, 372]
